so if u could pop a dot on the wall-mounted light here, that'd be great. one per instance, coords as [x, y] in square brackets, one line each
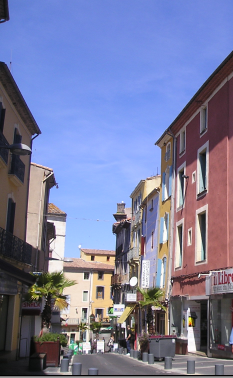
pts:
[186, 177]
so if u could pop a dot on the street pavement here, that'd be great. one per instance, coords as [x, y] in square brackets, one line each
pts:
[115, 364]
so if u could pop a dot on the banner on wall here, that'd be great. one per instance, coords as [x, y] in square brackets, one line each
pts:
[145, 274]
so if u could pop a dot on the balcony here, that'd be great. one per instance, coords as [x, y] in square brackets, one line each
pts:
[3, 152]
[133, 254]
[136, 220]
[17, 170]
[14, 248]
[115, 280]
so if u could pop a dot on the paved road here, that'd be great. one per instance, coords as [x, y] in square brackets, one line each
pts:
[117, 364]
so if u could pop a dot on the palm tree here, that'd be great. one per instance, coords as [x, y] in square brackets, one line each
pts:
[50, 286]
[152, 297]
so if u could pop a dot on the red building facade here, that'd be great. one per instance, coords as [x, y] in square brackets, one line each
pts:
[202, 250]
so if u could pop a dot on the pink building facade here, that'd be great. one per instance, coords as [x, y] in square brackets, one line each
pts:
[201, 302]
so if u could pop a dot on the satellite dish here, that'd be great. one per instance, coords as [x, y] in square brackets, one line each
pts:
[133, 281]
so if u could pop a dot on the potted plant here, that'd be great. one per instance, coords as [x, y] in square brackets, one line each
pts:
[144, 342]
[49, 343]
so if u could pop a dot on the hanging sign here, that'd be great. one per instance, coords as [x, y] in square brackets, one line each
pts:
[145, 274]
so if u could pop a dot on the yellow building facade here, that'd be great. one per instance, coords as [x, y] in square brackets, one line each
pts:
[165, 216]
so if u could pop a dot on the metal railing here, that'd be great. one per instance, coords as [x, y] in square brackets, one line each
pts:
[17, 167]
[14, 248]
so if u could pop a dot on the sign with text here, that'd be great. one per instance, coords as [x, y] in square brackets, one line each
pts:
[118, 309]
[221, 282]
[31, 305]
[131, 297]
[145, 274]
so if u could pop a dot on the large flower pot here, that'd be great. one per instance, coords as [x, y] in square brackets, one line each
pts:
[52, 350]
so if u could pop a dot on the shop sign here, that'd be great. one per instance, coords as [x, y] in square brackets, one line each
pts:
[145, 274]
[118, 309]
[31, 305]
[130, 297]
[222, 282]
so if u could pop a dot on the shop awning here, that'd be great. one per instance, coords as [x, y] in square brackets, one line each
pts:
[126, 313]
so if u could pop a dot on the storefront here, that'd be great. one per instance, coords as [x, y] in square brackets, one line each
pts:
[219, 286]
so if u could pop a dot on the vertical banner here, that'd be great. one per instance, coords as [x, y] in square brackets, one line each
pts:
[145, 274]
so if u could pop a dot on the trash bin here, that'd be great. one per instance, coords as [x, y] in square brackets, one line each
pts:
[162, 346]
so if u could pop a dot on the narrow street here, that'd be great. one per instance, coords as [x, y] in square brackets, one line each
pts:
[116, 364]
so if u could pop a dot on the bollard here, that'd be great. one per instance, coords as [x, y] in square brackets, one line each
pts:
[93, 371]
[151, 358]
[120, 350]
[64, 365]
[168, 363]
[145, 357]
[135, 354]
[219, 369]
[76, 368]
[131, 352]
[125, 350]
[191, 367]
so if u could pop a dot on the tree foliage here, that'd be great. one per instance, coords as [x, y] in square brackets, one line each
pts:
[152, 297]
[50, 286]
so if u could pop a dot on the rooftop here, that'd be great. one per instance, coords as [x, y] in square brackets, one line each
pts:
[52, 209]
[82, 264]
[98, 252]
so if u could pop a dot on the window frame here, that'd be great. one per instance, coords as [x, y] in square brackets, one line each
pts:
[85, 291]
[203, 120]
[102, 275]
[203, 149]
[179, 247]
[86, 279]
[182, 141]
[97, 287]
[199, 259]
[180, 172]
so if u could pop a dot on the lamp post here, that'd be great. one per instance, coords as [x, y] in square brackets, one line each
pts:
[17, 148]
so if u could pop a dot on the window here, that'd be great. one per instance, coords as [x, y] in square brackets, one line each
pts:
[164, 228]
[85, 296]
[168, 152]
[92, 258]
[108, 258]
[181, 186]
[86, 275]
[203, 119]
[99, 292]
[179, 244]
[190, 237]
[201, 234]
[99, 314]
[167, 183]
[163, 272]
[182, 141]
[2, 117]
[10, 216]
[202, 168]
[84, 314]
[100, 275]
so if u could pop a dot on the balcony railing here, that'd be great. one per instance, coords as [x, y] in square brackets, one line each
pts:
[17, 167]
[133, 253]
[14, 248]
[3, 151]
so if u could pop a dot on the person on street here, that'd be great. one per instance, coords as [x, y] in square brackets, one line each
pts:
[110, 343]
[128, 339]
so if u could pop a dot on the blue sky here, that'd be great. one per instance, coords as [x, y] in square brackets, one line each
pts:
[104, 79]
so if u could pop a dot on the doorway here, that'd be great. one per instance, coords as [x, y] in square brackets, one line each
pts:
[203, 344]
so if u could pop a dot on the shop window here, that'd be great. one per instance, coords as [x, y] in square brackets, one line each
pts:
[220, 322]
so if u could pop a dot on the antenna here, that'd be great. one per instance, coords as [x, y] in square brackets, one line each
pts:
[11, 62]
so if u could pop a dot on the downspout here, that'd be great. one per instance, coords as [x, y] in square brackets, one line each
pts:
[171, 236]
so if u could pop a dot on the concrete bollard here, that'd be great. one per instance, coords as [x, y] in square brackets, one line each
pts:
[135, 354]
[131, 352]
[151, 359]
[168, 363]
[191, 367]
[120, 350]
[219, 369]
[145, 357]
[93, 371]
[125, 350]
[64, 365]
[76, 368]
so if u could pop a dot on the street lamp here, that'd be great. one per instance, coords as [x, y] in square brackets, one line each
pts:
[17, 148]
[54, 258]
